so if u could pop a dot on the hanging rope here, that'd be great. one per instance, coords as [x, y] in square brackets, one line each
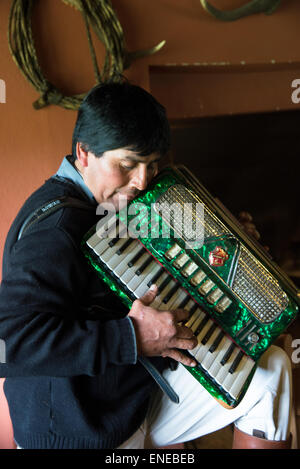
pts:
[98, 14]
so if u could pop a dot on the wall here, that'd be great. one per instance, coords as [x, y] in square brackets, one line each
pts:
[34, 142]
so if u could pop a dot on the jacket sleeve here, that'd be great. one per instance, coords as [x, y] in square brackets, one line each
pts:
[41, 324]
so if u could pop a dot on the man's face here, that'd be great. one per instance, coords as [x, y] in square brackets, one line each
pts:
[117, 175]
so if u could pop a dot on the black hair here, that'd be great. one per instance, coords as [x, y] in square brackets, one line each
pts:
[121, 115]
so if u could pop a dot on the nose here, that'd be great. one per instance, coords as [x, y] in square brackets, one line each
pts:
[140, 178]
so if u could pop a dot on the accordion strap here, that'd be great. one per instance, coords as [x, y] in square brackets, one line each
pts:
[50, 207]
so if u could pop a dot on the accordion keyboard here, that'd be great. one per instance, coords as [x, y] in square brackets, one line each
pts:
[127, 260]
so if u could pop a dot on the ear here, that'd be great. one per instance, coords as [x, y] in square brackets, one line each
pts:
[82, 155]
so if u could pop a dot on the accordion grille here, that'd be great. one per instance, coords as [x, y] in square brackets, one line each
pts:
[252, 282]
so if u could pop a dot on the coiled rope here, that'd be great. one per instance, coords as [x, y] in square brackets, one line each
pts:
[96, 13]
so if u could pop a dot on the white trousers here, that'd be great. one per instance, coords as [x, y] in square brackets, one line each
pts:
[266, 406]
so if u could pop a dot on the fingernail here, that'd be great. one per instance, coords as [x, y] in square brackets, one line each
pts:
[153, 287]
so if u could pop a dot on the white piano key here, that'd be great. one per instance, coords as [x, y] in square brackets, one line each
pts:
[129, 273]
[206, 359]
[195, 319]
[156, 303]
[120, 269]
[203, 348]
[210, 357]
[223, 372]
[102, 231]
[231, 377]
[215, 367]
[159, 299]
[111, 251]
[243, 374]
[101, 246]
[116, 258]
[175, 301]
[197, 350]
[143, 287]
[137, 280]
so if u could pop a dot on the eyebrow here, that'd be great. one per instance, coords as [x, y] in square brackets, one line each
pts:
[137, 160]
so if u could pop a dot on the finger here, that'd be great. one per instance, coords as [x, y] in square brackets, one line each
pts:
[245, 216]
[184, 332]
[180, 314]
[180, 357]
[183, 344]
[150, 295]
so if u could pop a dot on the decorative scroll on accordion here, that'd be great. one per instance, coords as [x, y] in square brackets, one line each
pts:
[175, 234]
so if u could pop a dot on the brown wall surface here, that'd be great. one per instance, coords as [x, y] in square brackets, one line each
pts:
[34, 142]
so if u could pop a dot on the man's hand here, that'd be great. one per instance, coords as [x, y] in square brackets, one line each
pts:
[158, 333]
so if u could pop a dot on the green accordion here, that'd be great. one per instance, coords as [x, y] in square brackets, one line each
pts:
[175, 234]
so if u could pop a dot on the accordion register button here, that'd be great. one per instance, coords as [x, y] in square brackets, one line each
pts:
[181, 260]
[206, 287]
[223, 304]
[189, 269]
[214, 296]
[197, 278]
[173, 251]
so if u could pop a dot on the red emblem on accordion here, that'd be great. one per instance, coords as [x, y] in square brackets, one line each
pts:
[218, 257]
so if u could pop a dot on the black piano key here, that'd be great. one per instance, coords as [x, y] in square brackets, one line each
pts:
[124, 246]
[228, 353]
[144, 265]
[171, 293]
[193, 309]
[236, 362]
[136, 257]
[155, 277]
[216, 342]
[108, 229]
[202, 324]
[209, 334]
[164, 284]
[184, 302]
[120, 235]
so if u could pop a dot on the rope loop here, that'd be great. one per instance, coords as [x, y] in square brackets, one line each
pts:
[99, 15]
